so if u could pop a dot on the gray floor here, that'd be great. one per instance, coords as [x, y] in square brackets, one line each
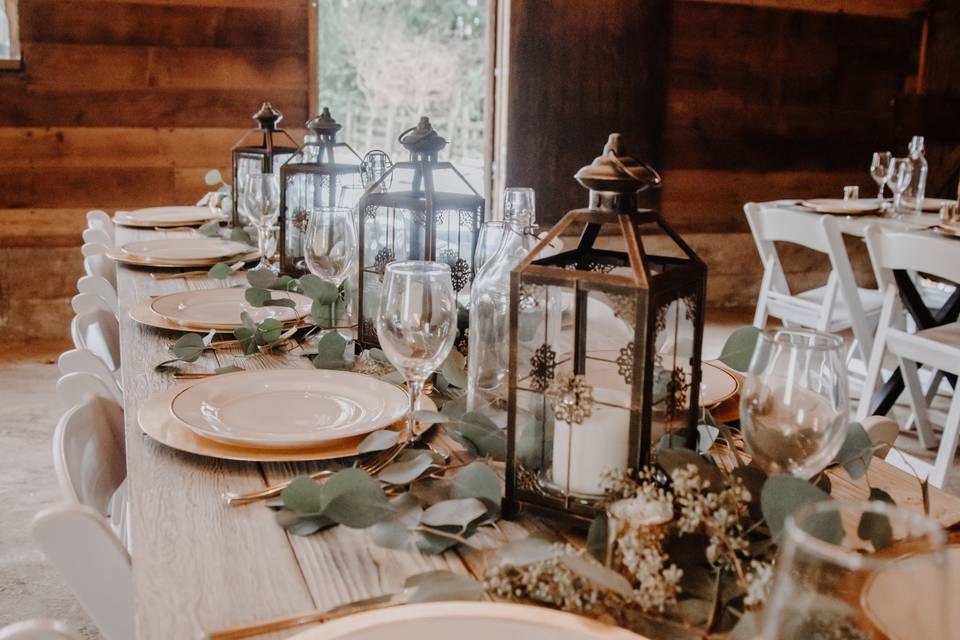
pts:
[29, 410]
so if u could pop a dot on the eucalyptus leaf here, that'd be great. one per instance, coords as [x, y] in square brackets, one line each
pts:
[378, 441]
[453, 369]
[753, 478]
[433, 544]
[406, 471]
[527, 551]
[352, 498]
[856, 451]
[302, 524]
[281, 302]
[478, 480]
[455, 408]
[230, 368]
[219, 271]
[320, 290]
[456, 513]
[602, 577]
[212, 177]
[210, 229]
[738, 349]
[695, 611]
[239, 234]
[395, 531]
[247, 339]
[876, 528]
[189, 347]
[261, 278]
[782, 495]
[880, 495]
[303, 495]
[394, 377]
[672, 440]
[747, 628]
[378, 355]
[535, 444]
[430, 417]
[257, 297]
[283, 283]
[672, 459]
[486, 437]
[269, 331]
[330, 351]
[247, 321]
[440, 586]
[598, 537]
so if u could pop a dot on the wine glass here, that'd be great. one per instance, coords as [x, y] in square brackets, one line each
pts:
[880, 170]
[899, 178]
[261, 208]
[859, 570]
[794, 406]
[417, 322]
[487, 242]
[330, 246]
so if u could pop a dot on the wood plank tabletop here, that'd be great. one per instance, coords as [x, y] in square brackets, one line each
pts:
[199, 565]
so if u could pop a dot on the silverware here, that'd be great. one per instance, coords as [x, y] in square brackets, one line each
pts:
[181, 274]
[174, 229]
[314, 617]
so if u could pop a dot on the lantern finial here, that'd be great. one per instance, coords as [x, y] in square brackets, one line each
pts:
[615, 171]
[267, 117]
[422, 138]
[323, 123]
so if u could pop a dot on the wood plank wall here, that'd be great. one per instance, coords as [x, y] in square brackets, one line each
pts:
[125, 103]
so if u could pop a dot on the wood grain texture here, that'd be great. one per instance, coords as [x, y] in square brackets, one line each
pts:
[884, 8]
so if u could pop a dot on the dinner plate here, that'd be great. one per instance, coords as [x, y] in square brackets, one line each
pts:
[910, 586]
[466, 621]
[934, 204]
[165, 216]
[156, 421]
[126, 258]
[288, 408]
[864, 206]
[183, 249]
[947, 230]
[221, 308]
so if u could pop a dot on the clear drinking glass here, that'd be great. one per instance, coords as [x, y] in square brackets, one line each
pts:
[417, 321]
[794, 407]
[330, 246]
[491, 232]
[859, 571]
[880, 170]
[901, 170]
[261, 208]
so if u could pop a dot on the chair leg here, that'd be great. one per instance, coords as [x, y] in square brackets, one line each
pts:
[948, 444]
[872, 378]
[917, 402]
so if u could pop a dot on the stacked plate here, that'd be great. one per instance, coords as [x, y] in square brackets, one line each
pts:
[860, 207]
[214, 309]
[165, 217]
[275, 414]
[182, 252]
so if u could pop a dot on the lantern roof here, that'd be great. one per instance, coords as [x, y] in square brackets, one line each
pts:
[323, 123]
[422, 138]
[615, 170]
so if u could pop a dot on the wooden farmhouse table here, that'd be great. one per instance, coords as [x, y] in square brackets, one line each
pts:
[199, 565]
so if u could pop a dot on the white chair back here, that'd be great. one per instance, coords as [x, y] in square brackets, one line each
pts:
[74, 388]
[98, 217]
[79, 542]
[87, 302]
[85, 361]
[821, 234]
[930, 254]
[96, 235]
[101, 266]
[93, 249]
[98, 331]
[101, 287]
[38, 630]
[89, 454]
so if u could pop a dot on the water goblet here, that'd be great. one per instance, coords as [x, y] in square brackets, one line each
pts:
[261, 208]
[794, 407]
[901, 171]
[417, 322]
[880, 170]
[330, 247]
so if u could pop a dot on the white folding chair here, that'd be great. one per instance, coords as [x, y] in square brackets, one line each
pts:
[98, 216]
[74, 388]
[87, 362]
[938, 347]
[102, 266]
[87, 302]
[836, 306]
[93, 249]
[38, 630]
[98, 331]
[101, 287]
[96, 235]
[96, 566]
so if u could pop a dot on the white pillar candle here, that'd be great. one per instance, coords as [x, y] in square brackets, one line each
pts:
[583, 452]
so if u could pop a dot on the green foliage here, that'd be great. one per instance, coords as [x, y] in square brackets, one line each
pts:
[738, 349]
[212, 177]
[220, 271]
[188, 348]
[330, 351]
[378, 441]
[856, 452]
[782, 495]
[210, 229]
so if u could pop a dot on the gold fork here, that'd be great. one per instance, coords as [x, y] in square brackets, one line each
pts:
[374, 465]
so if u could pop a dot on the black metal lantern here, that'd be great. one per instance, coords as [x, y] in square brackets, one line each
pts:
[311, 178]
[421, 209]
[597, 388]
[261, 150]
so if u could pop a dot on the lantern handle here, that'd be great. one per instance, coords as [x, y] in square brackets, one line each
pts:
[657, 180]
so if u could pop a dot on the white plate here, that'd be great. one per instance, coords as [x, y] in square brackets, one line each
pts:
[221, 308]
[947, 230]
[466, 621]
[844, 207]
[156, 421]
[288, 407]
[165, 216]
[183, 249]
[934, 204]
[909, 586]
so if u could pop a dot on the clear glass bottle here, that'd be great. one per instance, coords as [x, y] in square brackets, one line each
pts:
[488, 354]
[913, 196]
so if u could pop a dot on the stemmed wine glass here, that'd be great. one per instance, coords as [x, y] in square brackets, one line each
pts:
[859, 570]
[901, 171]
[261, 208]
[330, 246]
[794, 406]
[880, 170]
[417, 322]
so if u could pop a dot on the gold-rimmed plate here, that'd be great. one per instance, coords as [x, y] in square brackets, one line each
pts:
[145, 315]
[171, 216]
[129, 259]
[187, 250]
[839, 206]
[221, 308]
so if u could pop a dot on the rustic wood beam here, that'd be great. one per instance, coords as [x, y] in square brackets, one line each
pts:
[876, 8]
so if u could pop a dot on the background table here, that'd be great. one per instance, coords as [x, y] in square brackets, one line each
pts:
[200, 565]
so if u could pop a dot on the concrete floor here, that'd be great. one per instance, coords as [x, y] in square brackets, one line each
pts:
[29, 586]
